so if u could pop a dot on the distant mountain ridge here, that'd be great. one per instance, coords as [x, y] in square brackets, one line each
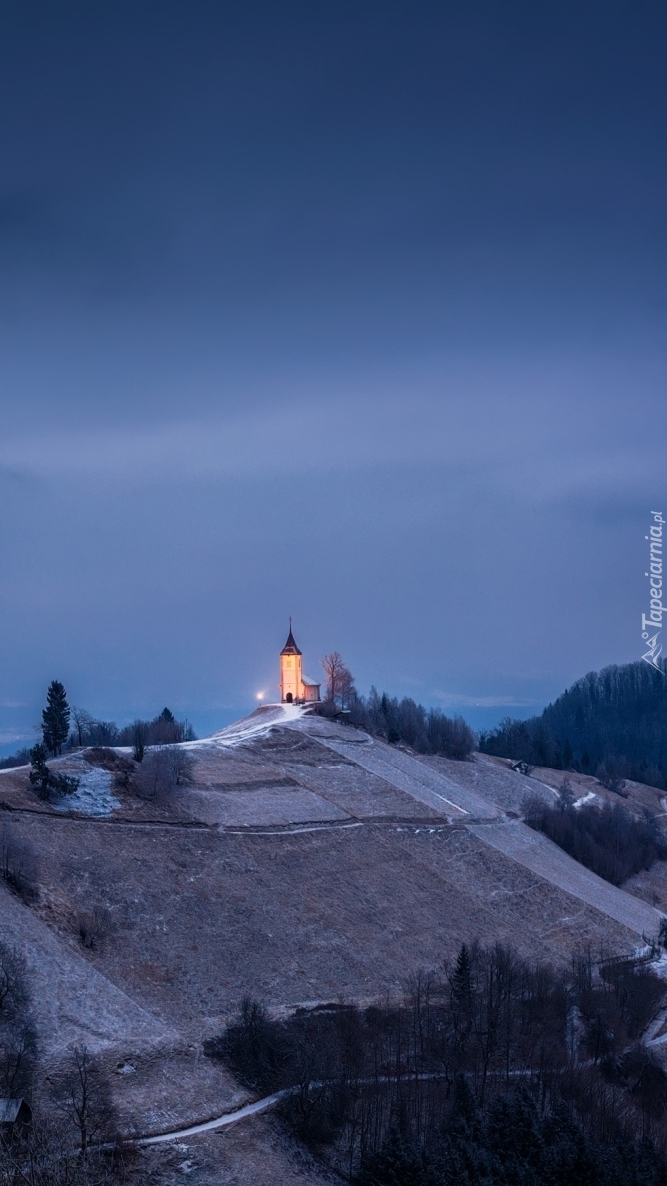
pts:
[615, 718]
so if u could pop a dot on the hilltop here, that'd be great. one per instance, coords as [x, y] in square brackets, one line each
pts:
[610, 721]
[306, 863]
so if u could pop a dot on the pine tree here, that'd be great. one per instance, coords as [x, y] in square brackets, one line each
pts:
[55, 718]
[461, 980]
[39, 772]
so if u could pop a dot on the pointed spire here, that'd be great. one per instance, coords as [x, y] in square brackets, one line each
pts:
[290, 647]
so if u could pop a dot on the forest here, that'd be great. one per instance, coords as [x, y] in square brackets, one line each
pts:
[428, 731]
[490, 1070]
[612, 723]
[608, 839]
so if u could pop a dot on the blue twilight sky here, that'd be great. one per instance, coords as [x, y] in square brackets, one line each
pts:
[352, 311]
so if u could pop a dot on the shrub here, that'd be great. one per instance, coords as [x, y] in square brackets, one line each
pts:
[94, 926]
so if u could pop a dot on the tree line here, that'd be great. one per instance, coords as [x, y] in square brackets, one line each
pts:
[65, 729]
[428, 731]
[612, 723]
[491, 1070]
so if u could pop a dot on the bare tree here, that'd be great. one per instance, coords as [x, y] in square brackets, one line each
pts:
[43, 1156]
[83, 721]
[84, 1099]
[18, 864]
[612, 774]
[347, 688]
[340, 680]
[14, 994]
[139, 736]
[94, 926]
[181, 763]
[17, 1032]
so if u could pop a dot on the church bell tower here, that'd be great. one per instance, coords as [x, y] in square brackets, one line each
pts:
[291, 662]
[295, 687]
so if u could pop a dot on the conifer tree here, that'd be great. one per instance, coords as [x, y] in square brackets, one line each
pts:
[39, 773]
[55, 718]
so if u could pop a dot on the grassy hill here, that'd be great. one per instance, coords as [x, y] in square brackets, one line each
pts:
[304, 862]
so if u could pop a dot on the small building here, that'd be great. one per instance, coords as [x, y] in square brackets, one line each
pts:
[295, 687]
[15, 1117]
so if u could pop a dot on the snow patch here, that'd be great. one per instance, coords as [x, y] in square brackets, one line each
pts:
[258, 724]
[590, 797]
[93, 795]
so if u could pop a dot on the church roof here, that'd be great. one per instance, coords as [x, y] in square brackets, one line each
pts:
[290, 647]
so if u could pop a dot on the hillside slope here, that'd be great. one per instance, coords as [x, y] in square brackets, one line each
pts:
[307, 862]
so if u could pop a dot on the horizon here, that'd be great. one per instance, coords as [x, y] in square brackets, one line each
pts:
[481, 717]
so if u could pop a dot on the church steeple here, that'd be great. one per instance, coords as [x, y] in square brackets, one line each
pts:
[295, 688]
[290, 647]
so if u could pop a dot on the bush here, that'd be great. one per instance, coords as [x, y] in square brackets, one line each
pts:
[607, 840]
[94, 926]
[164, 769]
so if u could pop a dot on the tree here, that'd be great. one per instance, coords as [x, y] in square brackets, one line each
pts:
[17, 1032]
[181, 764]
[346, 687]
[339, 679]
[139, 735]
[83, 1097]
[82, 722]
[165, 729]
[55, 718]
[18, 864]
[45, 780]
[39, 771]
[163, 769]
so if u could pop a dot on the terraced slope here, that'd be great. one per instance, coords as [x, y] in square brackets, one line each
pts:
[306, 863]
[543, 857]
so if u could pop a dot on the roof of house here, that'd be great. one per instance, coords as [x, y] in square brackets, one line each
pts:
[312, 683]
[290, 647]
[9, 1110]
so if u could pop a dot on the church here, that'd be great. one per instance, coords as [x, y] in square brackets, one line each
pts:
[295, 687]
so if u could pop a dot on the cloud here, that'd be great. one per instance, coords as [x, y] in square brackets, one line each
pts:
[542, 428]
[458, 700]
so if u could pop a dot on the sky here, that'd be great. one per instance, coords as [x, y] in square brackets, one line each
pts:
[352, 312]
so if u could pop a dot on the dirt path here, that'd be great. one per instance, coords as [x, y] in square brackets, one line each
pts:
[218, 1122]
